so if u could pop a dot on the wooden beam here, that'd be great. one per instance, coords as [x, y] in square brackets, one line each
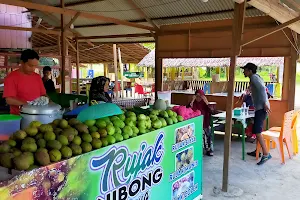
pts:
[77, 67]
[274, 30]
[125, 54]
[67, 26]
[71, 45]
[277, 11]
[142, 14]
[45, 48]
[38, 23]
[293, 3]
[238, 26]
[72, 4]
[71, 30]
[82, 2]
[139, 53]
[37, 30]
[65, 11]
[95, 47]
[115, 36]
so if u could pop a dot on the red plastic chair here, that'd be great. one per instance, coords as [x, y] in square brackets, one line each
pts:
[153, 89]
[118, 89]
[139, 89]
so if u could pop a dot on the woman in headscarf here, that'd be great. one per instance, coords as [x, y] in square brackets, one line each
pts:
[200, 102]
[99, 89]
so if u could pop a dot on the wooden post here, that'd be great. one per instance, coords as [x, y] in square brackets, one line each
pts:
[121, 72]
[277, 74]
[116, 70]
[63, 51]
[6, 64]
[158, 70]
[227, 73]
[77, 67]
[238, 26]
[292, 79]
[105, 69]
[286, 79]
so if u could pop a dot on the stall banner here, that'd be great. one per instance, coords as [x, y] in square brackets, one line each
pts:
[133, 74]
[164, 164]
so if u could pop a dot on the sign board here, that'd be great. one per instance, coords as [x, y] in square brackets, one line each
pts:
[134, 74]
[164, 162]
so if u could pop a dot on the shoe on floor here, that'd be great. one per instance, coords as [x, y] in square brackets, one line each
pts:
[253, 154]
[264, 159]
[209, 153]
[250, 139]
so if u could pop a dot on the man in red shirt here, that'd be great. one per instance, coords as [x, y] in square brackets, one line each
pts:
[23, 85]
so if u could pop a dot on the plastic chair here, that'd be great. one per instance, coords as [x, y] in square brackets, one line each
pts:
[280, 138]
[153, 89]
[294, 133]
[140, 90]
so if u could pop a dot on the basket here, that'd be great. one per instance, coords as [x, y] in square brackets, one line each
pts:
[8, 125]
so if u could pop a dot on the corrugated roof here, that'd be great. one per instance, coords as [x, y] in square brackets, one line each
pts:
[182, 7]
[161, 13]
[119, 9]
[207, 17]
[149, 61]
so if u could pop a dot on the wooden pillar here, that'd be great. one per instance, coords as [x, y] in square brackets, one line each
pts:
[63, 51]
[292, 79]
[116, 69]
[77, 67]
[59, 44]
[286, 79]
[238, 26]
[6, 64]
[227, 73]
[121, 72]
[106, 69]
[158, 70]
[277, 74]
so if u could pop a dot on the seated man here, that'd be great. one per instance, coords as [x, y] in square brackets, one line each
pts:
[23, 84]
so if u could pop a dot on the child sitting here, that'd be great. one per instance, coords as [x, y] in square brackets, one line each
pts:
[200, 102]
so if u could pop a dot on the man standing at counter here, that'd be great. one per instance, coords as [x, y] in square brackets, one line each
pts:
[23, 85]
[262, 108]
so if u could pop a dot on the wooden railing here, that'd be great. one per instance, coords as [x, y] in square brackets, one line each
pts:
[239, 86]
[197, 84]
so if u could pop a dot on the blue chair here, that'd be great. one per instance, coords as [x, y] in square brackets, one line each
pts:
[206, 88]
[271, 88]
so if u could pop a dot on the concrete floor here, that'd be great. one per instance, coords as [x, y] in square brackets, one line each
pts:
[271, 181]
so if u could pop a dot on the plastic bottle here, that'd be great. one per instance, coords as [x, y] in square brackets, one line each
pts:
[244, 109]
